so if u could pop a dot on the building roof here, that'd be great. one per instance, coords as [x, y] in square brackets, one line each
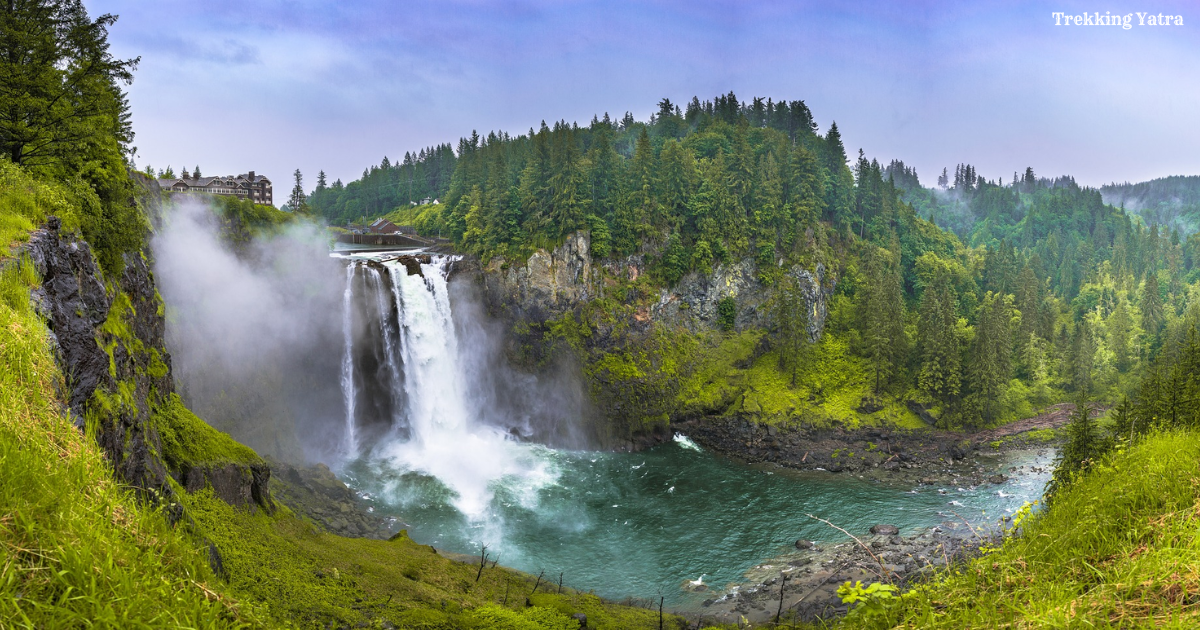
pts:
[204, 182]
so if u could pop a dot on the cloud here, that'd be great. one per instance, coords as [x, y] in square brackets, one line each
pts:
[336, 86]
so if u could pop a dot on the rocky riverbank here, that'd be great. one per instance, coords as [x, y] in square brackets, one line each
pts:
[926, 460]
[804, 584]
[317, 494]
[874, 452]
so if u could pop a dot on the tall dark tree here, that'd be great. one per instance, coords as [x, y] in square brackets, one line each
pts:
[989, 365]
[791, 321]
[940, 373]
[60, 87]
[1151, 305]
[881, 311]
[1084, 445]
[298, 201]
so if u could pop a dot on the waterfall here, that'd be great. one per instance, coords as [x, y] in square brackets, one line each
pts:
[391, 353]
[348, 389]
[435, 414]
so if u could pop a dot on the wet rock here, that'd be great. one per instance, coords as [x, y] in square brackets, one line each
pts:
[997, 479]
[885, 530]
[804, 544]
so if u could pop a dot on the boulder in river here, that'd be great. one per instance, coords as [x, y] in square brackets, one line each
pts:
[997, 479]
[804, 544]
[885, 530]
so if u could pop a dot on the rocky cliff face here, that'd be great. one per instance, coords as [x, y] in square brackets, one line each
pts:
[110, 344]
[552, 283]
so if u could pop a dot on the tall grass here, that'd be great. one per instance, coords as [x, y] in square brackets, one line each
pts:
[1120, 547]
[77, 551]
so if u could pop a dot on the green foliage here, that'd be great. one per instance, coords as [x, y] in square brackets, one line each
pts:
[64, 108]
[871, 603]
[242, 220]
[1084, 444]
[791, 322]
[726, 313]
[881, 313]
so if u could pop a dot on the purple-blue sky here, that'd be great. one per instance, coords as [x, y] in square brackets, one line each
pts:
[285, 84]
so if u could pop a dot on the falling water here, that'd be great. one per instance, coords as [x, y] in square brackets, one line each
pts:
[351, 446]
[392, 361]
[436, 428]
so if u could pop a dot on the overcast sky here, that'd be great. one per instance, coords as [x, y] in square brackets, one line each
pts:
[279, 85]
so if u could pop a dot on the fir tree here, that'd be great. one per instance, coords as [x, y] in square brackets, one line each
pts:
[1084, 445]
[940, 373]
[882, 316]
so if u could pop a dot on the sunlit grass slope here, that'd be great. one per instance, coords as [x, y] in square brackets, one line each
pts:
[77, 549]
[1120, 547]
[306, 576]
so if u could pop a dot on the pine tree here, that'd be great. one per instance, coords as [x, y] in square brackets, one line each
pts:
[1083, 446]
[940, 373]
[791, 320]
[1151, 304]
[63, 104]
[297, 202]
[1083, 351]
[881, 311]
[989, 364]
[1118, 326]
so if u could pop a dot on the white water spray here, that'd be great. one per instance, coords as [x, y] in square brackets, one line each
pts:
[446, 440]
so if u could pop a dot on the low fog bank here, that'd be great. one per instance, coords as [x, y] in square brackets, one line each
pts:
[255, 336]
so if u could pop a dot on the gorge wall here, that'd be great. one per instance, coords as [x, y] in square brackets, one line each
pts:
[552, 283]
[109, 338]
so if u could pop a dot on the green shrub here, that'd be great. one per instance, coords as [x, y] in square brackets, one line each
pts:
[726, 313]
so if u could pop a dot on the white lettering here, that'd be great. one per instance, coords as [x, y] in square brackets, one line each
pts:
[1126, 23]
[1141, 18]
[1057, 15]
[1178, 20]
[1078, 20]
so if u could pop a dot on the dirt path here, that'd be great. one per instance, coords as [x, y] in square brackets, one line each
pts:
[1053, 417]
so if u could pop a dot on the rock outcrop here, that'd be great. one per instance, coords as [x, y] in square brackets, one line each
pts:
[551, 283]
[110, 342]
[76, 305]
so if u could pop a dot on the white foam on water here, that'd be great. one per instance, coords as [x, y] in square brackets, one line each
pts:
[686, 442]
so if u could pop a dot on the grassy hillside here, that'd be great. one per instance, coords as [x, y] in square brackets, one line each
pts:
[1120, 547]
[77, 548]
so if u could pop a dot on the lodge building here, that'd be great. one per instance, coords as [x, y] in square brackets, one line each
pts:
[256, 188]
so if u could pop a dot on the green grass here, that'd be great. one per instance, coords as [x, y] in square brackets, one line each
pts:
[188, 440]
[25, 203]
[1119, 547]
[77, 549]
[305, 576]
